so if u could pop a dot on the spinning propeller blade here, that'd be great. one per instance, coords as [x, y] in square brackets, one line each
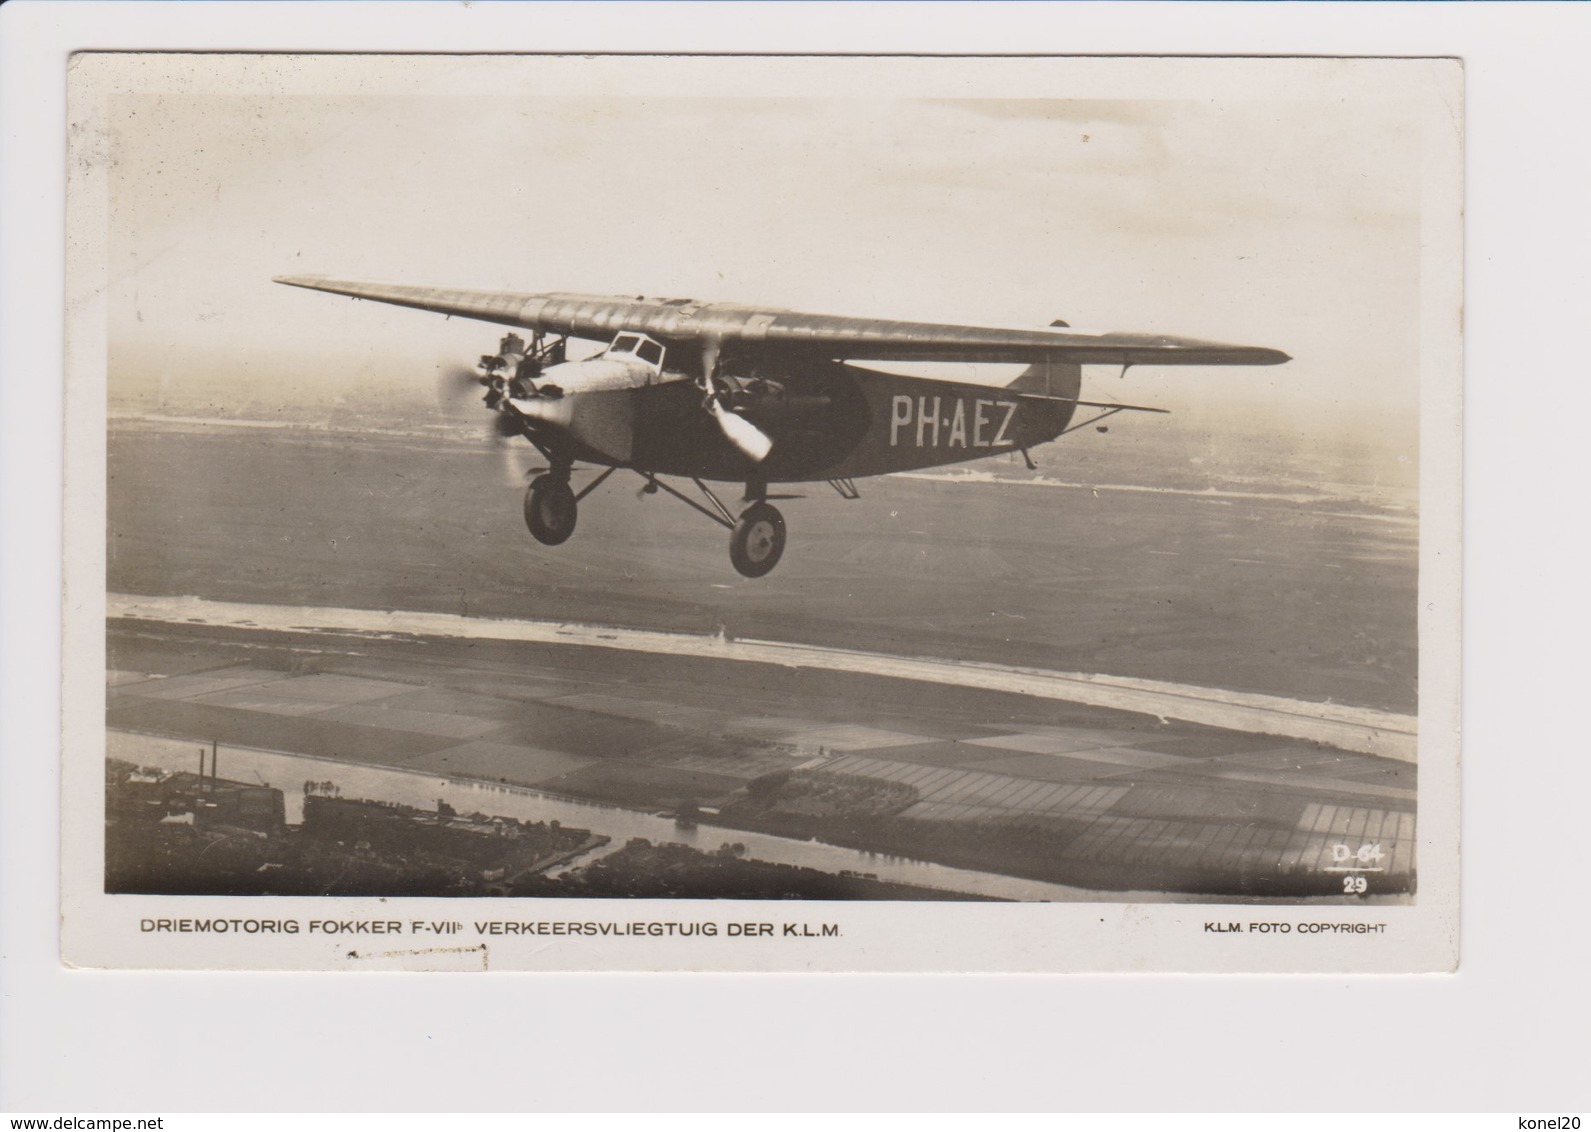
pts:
[741, 433]
[461, 395]
[458, 389]
[505, 426]
[516, 465]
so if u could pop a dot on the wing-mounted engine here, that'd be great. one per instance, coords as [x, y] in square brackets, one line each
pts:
[771, 399]
[757, 410]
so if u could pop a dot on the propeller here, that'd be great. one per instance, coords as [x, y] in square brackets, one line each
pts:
[461, 396]
[458, 390]
[505, 426]
[740, 432]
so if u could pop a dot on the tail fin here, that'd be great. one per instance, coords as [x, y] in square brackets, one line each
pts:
[1051, 379]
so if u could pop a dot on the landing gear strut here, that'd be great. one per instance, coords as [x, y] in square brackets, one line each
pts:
[757, 541]
[550, 509]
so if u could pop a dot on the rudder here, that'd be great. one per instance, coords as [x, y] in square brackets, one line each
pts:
[1051, 379]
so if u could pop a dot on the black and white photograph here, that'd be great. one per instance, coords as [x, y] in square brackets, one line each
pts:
[609, 512]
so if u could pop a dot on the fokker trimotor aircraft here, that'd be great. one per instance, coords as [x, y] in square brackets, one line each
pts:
[763, 396]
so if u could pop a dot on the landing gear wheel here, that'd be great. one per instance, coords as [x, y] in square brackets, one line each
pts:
[550, 510]
[757, 541]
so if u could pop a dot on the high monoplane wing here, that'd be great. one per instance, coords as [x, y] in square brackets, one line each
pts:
[743, 329]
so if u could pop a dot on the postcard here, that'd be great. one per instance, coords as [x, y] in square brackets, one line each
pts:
[539, 512]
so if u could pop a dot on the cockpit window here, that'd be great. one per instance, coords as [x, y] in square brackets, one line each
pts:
[637, 346]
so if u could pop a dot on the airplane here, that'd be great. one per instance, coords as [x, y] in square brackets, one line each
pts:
[724, 392]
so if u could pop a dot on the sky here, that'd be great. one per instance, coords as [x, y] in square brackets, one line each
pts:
[1292, 223]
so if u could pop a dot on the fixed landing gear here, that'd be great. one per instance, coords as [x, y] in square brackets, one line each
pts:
[757, 540]
[551, 509]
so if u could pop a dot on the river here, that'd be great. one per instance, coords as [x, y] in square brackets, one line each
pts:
[423, 790]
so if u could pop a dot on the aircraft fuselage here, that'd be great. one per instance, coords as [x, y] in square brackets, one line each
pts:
[838, 422]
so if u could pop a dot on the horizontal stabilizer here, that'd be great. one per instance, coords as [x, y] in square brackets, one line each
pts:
[1092, 404]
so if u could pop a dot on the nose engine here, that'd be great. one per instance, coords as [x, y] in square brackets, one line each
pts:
[513, 372]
